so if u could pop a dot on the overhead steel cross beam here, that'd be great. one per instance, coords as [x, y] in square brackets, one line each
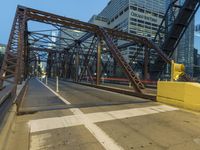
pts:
[49, 18]
[80, 40]
[53, 19]
[17, 51]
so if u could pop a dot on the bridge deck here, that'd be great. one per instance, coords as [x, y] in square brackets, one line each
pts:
[96, 119]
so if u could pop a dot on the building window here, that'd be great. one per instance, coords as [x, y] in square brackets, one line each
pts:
[141, 10]
[133, 23]
[148, 23]
[121, 13]
[161, 16]
[126, 9]
[131, 31]
[154, 14]
[133, 8]
[133, 19]
[140, 21]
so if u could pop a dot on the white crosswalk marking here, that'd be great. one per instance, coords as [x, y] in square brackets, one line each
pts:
[89, 120]
[78, 119]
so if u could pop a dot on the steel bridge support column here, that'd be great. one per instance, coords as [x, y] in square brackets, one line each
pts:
[65, 66]
[20, 69]
[49, 65]
[26, 53]
[98, 67]
[146, 63]
[77, 62]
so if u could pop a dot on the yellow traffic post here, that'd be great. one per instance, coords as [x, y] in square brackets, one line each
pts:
[176, 70]
[180, 94]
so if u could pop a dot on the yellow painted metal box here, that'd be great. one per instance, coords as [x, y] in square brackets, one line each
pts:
[181, 94]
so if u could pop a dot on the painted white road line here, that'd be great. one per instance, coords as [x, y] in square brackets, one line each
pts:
[107, 142]
[89, 120]
[77, 119]
[54, 123]
[63, 99]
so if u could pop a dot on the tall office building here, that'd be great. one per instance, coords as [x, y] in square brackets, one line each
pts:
[184, 53]
[197, 51]
[139, 17]
[197, 38]
[2, 48]
[2, 51]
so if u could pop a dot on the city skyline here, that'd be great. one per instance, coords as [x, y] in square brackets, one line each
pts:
[81, 10]
[64, 8]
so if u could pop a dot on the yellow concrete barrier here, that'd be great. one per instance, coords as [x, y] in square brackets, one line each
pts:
[181, 94]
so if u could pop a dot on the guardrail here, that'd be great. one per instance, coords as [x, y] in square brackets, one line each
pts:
[8, 109]
[6, 100]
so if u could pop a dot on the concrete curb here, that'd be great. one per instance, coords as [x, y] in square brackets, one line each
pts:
[116, 90]
[9, 119]
[5, 131]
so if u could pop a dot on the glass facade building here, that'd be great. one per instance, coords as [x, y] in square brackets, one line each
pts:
[2, 51]
[184, 53]
[197, 38]
[197, 52]
[2, 48]
[139, 17]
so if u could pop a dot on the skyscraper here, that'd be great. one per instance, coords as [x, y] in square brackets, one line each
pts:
[139, 17]
[2, 48]
[197, 38]
[197, 52]
[184, 53]
[2, 51]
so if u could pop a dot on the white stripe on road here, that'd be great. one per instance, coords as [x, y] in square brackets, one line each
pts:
[89, 120]
[63, 99]
[107, 142]
[77, 119]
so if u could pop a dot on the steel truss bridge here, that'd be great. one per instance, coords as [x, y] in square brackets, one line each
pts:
[76, 57]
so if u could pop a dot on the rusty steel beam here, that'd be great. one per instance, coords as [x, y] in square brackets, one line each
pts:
[23, 43]
[49, 18]
[87, 58]
[98, 63]
[138, 85]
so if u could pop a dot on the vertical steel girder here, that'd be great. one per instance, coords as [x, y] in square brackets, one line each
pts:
[98, 64]
[87, 58]
[146, 62]
[15, 64]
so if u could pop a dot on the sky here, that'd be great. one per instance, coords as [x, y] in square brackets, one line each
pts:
[77, 9]
[197, 17]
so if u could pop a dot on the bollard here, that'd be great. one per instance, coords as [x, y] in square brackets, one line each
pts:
[129, 84]
[46, 80]
[57, 90]
[102, 79]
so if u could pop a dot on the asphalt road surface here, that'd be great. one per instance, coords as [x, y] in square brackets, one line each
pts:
[84, 118]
